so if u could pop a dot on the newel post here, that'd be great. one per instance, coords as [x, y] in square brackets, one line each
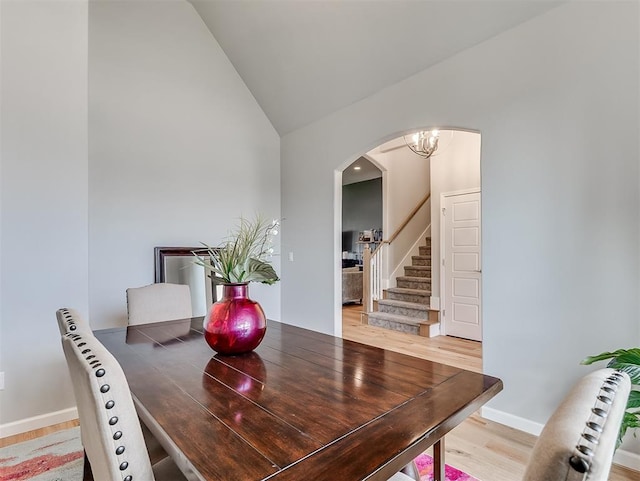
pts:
[366, 279]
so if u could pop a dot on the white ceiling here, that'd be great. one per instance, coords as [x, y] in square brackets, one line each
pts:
[304, 59]
[366, 171]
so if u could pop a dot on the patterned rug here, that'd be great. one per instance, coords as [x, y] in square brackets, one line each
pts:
[55, 457]
[425, 468]
[59, 457]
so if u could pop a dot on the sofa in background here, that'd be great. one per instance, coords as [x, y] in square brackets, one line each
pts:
[351, 285]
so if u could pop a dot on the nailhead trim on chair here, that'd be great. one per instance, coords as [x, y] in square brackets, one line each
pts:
[70, 321]
[589, 439]
[108, 403]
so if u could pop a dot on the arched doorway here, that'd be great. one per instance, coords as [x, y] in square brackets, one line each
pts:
[454, 169]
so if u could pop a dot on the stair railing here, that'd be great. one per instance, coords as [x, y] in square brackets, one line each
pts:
[372, 262]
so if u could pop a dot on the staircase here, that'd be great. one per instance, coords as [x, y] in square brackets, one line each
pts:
[406, 308]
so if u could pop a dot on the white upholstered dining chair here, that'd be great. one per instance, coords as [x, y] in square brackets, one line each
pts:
[112, 437]
[579, 440]
[70, 321]
[158, 302]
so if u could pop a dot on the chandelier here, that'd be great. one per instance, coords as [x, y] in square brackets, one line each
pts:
[423, 143]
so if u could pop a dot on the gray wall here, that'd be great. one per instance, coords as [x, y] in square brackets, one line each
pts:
[178, 148]
[44, 222]
[361, 208]
[556, 101]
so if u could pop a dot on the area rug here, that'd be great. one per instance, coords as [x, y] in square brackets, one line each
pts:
[55, 457]
[424, 462]
[59, 457]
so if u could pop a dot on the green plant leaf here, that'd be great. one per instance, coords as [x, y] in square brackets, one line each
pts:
[633, 370]
[634, 399]
[237, 274]
[624, 355]
[629, 421]
[630, 356]
[260, 271]
[242, 257]
[625, 360]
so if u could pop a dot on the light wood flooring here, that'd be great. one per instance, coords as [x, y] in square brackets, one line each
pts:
[484, 449]
[28, 436]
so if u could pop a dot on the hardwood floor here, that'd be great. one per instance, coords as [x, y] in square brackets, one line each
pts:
[485, 449]
[448, 350]
[28, 436]
[482, 448]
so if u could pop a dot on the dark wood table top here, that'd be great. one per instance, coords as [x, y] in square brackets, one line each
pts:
[304, 405]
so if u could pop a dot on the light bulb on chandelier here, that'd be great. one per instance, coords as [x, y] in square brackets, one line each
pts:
[424, 143]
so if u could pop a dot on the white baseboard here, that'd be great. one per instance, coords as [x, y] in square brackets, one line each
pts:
[516, 422]
[37, 422]
[627, 459]
[622, 458]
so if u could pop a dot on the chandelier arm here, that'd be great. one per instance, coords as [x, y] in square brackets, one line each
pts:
[419, 147]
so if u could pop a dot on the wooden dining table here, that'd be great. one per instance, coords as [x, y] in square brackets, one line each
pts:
[302, 406]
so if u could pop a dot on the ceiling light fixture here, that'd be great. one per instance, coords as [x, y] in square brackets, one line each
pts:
[423, 143]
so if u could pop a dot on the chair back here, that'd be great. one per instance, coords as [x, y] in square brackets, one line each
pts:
[114, 444]
[70, 320]
[579, 440]
[158, 302]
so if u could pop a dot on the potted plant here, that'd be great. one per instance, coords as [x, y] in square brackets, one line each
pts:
[626, 360]
[237, 324]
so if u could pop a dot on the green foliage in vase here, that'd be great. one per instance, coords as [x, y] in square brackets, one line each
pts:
[243, 256]
[626, 360]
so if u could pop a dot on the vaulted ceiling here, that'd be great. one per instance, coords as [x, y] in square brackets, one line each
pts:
[303, 59]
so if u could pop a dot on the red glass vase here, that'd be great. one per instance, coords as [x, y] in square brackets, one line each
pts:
[235, 324]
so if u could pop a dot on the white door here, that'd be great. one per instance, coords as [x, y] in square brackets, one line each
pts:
[462, 279]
